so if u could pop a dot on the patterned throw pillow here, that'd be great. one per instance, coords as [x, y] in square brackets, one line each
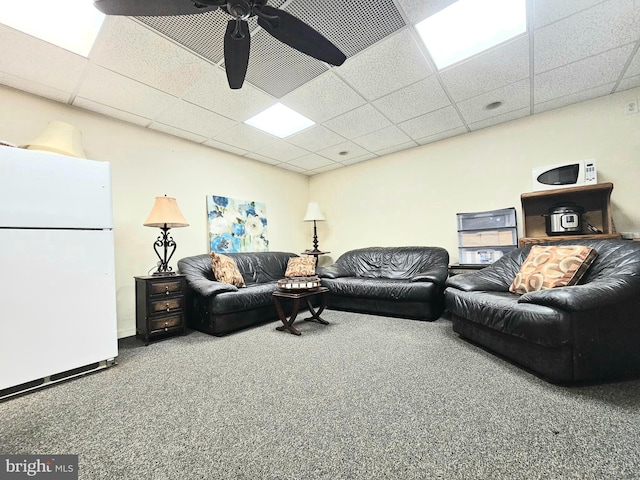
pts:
[225, 270]
[304, 266]
[552, 266]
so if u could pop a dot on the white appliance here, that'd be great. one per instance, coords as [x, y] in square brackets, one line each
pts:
[561, 175]
[57, 294]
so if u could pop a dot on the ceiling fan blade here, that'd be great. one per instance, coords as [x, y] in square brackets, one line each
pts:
[237, 42]
[297, 34]
[135, 8]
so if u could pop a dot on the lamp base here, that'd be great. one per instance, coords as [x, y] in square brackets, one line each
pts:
[163, 274]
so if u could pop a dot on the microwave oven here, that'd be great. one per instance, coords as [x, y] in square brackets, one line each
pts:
[561, 175]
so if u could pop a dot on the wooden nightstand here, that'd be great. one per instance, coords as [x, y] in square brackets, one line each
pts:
[160, 309]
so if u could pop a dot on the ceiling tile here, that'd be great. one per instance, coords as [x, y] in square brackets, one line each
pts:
[432, 123]
[176, 132]
[224, 147]
[323, 98]
[513, 97]
[628, 83]
[35, 60]
[353, 25]
[315, 138]
[134, 50]
[109, 88]
[500, 66]
[281, 151]
[418, 10]
[262, 158]
[333, 166]
[358, 122]
[422, 97]
[212, 92]
[195, 119]
[110, 111]
[391, 64]
[634, 67]
[382, 139]
[311, 162]
[244, 137]
[442, 135]
[277, 68]
[359, 159]
[343, 152]
[582, 75]
[293, 168]
[598, 29]
[549, 11]
[35, 88]
[396, 148]
[498, 119]
[574, 98]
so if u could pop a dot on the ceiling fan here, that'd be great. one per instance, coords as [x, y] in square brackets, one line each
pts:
[237, 40]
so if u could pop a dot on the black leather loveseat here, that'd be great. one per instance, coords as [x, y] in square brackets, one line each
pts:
[220, 308]
[396, 281]
[582, 333]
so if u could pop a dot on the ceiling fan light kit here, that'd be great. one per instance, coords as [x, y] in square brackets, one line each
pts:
[280, 24]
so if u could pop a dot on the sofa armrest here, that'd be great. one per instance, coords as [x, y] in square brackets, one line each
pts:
[579, 298]
[206, 287]
[332, 271]
[436, 274]
[478, 281]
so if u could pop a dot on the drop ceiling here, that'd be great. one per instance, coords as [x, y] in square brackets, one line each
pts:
[167, 74]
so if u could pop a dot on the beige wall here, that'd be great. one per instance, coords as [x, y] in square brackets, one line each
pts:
[408, 198]
[146, 164]
[412, 197]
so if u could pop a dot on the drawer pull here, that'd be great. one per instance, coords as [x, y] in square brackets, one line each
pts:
[168, 307]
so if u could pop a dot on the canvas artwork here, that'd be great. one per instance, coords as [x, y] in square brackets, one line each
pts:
[236, 225]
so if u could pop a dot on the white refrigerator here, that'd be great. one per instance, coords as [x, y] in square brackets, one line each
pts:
[57, 293]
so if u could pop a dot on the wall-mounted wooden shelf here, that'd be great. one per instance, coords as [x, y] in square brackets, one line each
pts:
[595, 199]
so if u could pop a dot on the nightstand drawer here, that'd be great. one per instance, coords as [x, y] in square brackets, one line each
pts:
[165, 288]
[165, 306]
[164, 323]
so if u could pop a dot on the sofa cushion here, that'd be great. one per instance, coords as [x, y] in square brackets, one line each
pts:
[225, 270]
[502, 312]
[552, 266]
[254, 296]
[382, 288]
[304, 266]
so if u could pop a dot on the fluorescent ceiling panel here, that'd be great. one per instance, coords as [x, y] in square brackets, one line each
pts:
[468, 27]
[280, 121]
[70, 24]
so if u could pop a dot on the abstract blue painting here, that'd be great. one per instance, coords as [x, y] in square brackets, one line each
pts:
[236, 225]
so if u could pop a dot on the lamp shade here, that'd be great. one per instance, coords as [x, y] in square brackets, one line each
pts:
[313, 213]
[165, 211]
[59, 137]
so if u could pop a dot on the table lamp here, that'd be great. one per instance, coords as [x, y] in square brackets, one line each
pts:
[165, 215]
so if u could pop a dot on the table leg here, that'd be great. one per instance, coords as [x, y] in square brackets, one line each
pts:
[315, 315]
[288, 324]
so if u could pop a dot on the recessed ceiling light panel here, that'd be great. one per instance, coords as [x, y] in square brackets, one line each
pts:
[70, 24]
[280, 121]
[468, 27]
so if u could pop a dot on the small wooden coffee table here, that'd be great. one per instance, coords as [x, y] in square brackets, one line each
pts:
[296, 297]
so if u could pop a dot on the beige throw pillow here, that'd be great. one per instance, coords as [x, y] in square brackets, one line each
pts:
[304, 266]
[225, 270]
[552, 266]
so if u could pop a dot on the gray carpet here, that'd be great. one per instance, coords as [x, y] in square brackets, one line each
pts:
[363, 398]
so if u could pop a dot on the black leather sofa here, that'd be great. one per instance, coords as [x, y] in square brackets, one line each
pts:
[395, 281]
[219, 308]
[584, 333]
